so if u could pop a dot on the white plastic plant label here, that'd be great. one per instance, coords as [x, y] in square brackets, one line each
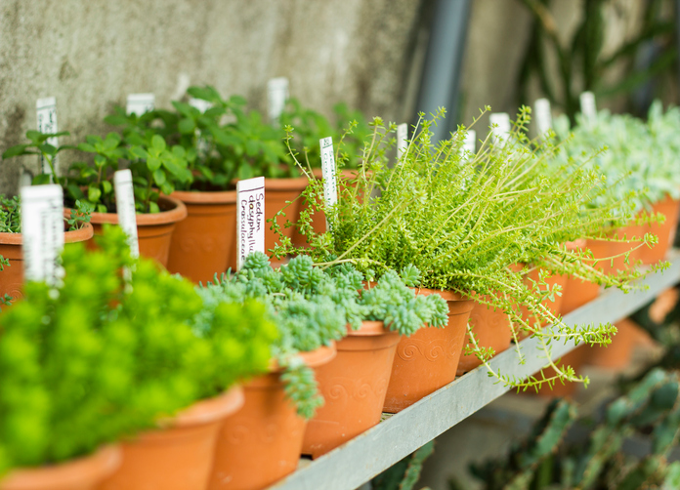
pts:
[470, 142]
[588, 107]
[125, 206]
[500, 127]
[42, 228]
[330, 183]
[543, 116]
[249, 218]
[140, 103]
[47, 123]
[402, 140]
[200, 104]
[277, 95]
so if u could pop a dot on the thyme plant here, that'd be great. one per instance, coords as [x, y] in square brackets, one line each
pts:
[464, 219]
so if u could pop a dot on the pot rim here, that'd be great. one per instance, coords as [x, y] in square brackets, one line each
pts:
[446, 295]
[92, 467]
[313, 358]
[370, 328]
[176, 213]
[80, 235]
[205, 197]
[208, 410]
[286, 184]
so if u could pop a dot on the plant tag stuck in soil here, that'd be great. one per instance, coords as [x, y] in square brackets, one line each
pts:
[125, 206]
[470, 143]
[140, 103]
[402, 140]
[249, 218]
[500, 127]
[330, 183]
[42, 228]
[200, 104]
[47, 123]
[588, 107]
[543, 116]
[277, 95]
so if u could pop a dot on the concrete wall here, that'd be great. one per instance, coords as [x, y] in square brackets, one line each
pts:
[90, 54]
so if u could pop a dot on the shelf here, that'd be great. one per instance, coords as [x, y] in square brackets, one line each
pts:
[360, 459]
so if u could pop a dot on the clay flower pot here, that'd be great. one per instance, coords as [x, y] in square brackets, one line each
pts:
[276, 193]
[353, 385]
[428, 359]
[12, 278]
[178, 457]
[617, 355]
[154, 230]
[205, 242]
[262, 442]
[79, 474]
[665, 232]
[491, 328]
[576, 292]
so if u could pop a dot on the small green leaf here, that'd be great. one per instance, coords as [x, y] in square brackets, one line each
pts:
[107, 187]
[159, 177]
[158, 142]
[15, 151]
[99, 160]
[245, 172]
[93, 194]
[87, 147]
[186, 126]
[153, 164]
[42, 179]
[153, 208]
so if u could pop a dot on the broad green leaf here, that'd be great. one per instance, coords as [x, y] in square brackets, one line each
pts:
[42, 179]
[87, 147]
[153, 163]
[159, 177]
[93, 194]
[139, 152]
[186, 126]
[167, 188]
[15, 151]
[158, 142]
[48, 149]
[99, 160]
[75, 192]
[107, 187]
[153, 208]
[245, 172]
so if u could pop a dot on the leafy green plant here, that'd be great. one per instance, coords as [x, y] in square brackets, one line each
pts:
[464, 219]
[38, 145]
[101, 357]
[545, 461]
[350, 127]
[404, 474]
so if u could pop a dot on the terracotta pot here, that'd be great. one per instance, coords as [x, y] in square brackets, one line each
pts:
[618, 250]
[428, 359]
[180, 456]
[12, 278]
[79, 474]
[665, 232]
[262, 442]
[205, 242]
[154, 231]
[577, 292]
[554, 306]
[576, 359]
[353, 385]
[617, 355]
[492, 329]
[277, 192]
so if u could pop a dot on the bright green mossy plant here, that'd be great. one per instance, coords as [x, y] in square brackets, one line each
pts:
[313, 307]
[465, 219]
[100, 358]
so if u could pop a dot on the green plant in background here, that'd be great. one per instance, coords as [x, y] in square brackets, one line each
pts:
[100, 358]
[310, 126]
[464, 219]
[313, 307]
[582, 64]
[404, 474]
[545, 461]
[639, 155]
[38, 145]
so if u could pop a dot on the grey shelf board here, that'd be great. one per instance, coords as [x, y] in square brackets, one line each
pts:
[360, 459]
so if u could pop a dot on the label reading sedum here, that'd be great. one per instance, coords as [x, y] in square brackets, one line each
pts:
[249, 218]
[277, 95]
[42, 228]
[402, 140]
[125, 206]
[501, 131]
[140, 103]
[47, 123]
[543, 116]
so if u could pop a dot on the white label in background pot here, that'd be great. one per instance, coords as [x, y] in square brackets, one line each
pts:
[330, 184]
[125, 206]
[200, 104]
[588, 107]
[140, 103]
[42, 228]
[277, 95]
[402, 140]
[249, 218]
[470, 142]
[500, 127]
[543, 116]
[47, 123]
